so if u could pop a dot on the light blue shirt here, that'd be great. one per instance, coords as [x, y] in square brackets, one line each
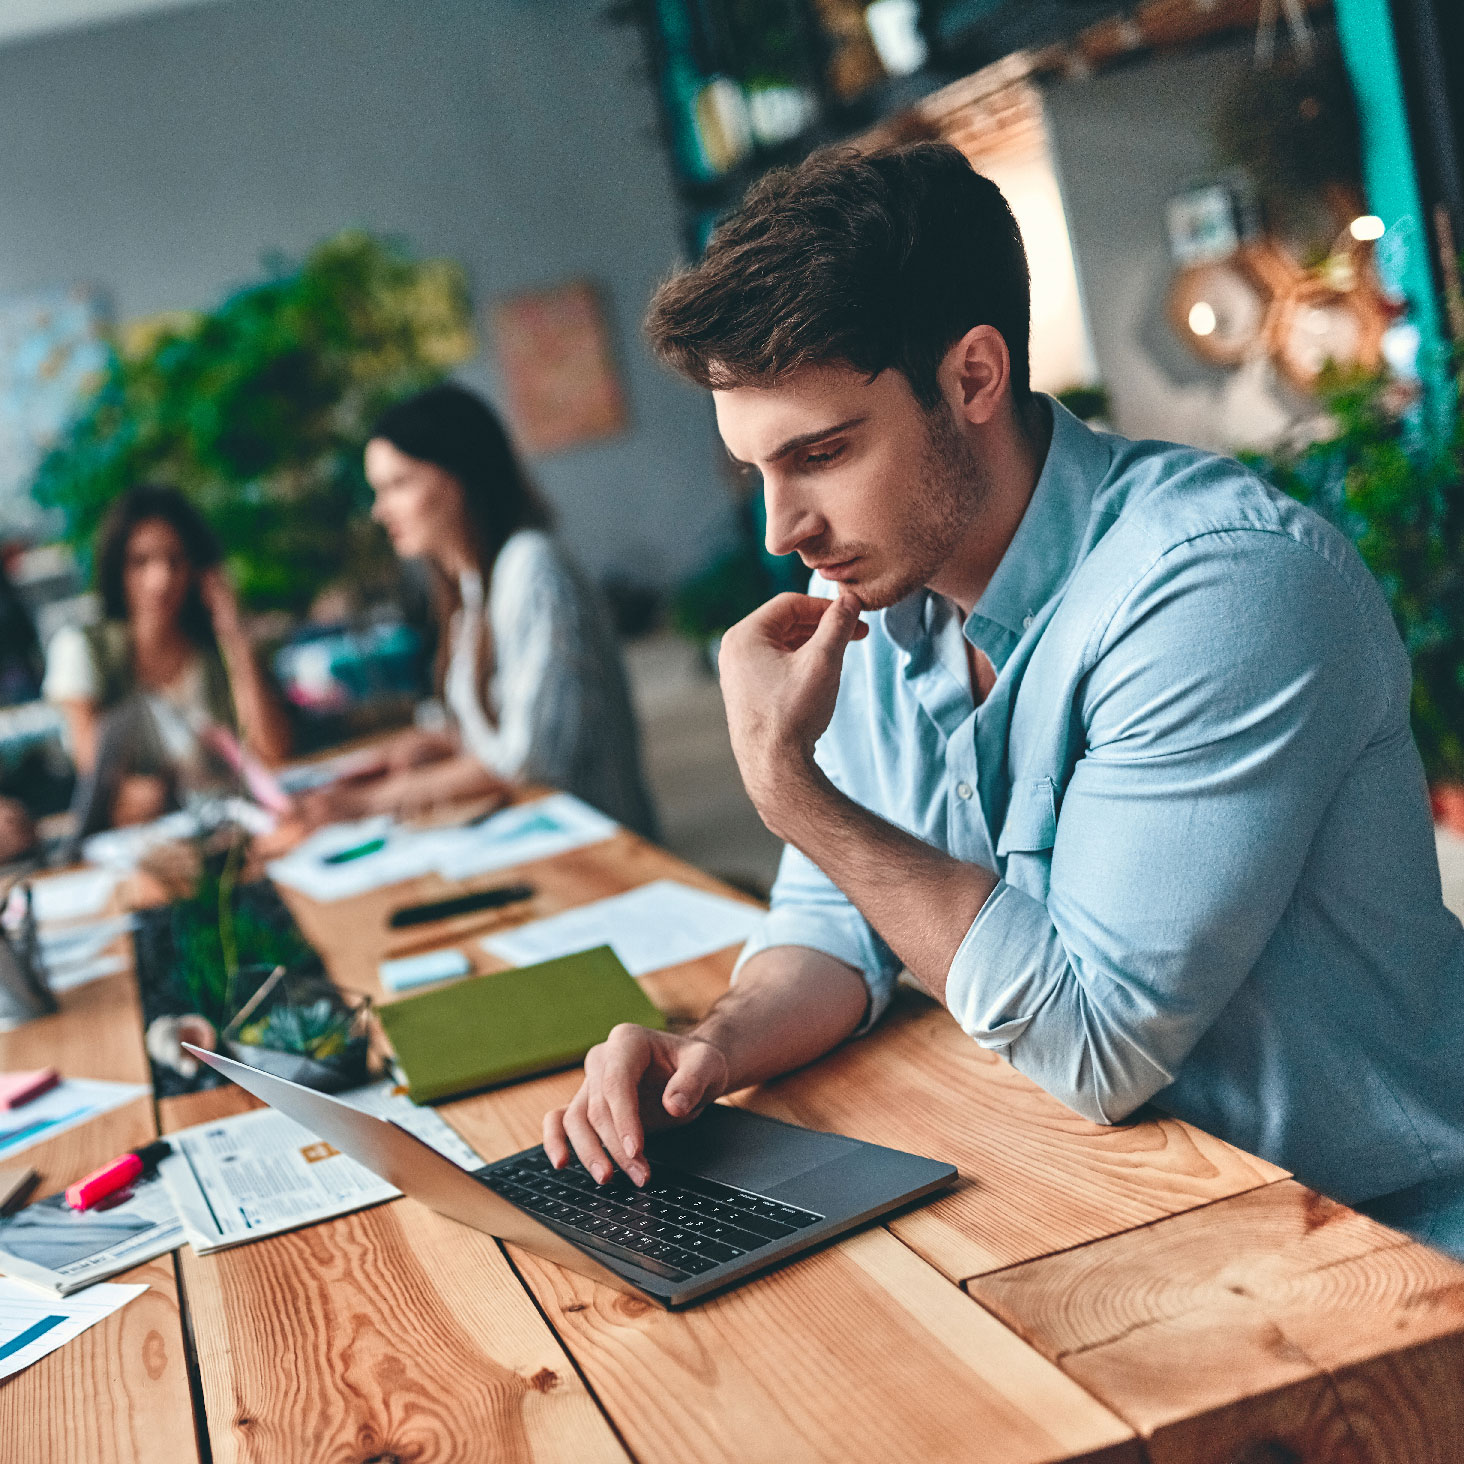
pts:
[1195, 778]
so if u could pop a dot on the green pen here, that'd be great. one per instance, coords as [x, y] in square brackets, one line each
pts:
[359, 851]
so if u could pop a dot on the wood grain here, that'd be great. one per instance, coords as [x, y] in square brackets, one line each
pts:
[861, 1352]
[1275, 1320]
[110, 1395]
[1036, 1178]
[388, 1334]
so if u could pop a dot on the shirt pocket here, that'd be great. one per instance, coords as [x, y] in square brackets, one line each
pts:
[1028, 834]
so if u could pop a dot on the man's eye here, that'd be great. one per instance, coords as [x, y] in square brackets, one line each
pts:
[823, 456]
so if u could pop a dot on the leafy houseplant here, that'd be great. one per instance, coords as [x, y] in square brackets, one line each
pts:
[259, 408]
[219, 935]
[1400, 497]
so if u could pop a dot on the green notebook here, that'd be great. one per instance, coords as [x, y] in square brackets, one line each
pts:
[496, 1028]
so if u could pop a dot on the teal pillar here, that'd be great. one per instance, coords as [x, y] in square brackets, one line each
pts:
[1365, 29]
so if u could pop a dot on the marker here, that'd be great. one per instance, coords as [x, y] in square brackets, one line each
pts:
[19, 1088]
[359, 851]
[117, 1175]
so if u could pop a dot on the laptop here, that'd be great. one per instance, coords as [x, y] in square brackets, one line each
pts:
[730, 1194]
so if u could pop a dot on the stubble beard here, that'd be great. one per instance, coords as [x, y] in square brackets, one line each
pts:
[952, 486]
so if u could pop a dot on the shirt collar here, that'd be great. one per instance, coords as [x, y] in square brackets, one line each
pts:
[1043, 551]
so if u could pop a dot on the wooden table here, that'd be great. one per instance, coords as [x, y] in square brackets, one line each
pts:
[1144, 1292]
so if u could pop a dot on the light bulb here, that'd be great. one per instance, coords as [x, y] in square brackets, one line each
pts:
[1202, 318]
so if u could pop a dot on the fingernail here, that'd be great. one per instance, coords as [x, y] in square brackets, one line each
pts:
[601, 1172]
[629, 1146]
[676, 1104]
[638, 1173]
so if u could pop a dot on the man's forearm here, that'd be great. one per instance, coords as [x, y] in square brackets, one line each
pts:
[789, 1007]
[920, 900]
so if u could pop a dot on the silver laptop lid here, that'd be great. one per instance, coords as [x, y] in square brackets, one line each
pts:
[414, 1167]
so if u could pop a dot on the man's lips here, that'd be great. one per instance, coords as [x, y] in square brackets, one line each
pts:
[840, 569]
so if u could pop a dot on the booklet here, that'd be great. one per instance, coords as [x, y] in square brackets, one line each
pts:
[52, 1245]
[32, 1325]
[260, 1173]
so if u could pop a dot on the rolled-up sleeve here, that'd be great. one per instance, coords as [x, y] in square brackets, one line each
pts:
[1224, 702]
[809, 910]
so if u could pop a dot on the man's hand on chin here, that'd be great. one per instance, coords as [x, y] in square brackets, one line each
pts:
[779, 670]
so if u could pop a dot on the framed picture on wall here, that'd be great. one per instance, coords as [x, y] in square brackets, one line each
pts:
[560, 378]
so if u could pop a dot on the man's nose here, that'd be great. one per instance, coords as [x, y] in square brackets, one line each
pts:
[792, 520]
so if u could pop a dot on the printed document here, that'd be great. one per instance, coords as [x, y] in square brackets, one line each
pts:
[52, 1245]
[260, 1173]
[660, 924]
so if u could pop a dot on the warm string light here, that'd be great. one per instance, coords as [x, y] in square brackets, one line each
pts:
[1202, 318]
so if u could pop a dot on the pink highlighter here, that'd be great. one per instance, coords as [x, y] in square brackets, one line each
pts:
[117, 1175]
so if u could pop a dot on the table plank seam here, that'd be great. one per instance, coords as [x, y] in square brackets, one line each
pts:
[564, 1343]
[1064, 1250]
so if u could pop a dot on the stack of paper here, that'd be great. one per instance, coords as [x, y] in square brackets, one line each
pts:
[73, 895]
[75, 954]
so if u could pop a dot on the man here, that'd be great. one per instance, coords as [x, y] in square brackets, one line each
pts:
[1118, 765]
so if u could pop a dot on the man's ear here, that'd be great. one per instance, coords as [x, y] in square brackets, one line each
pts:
[975, 375]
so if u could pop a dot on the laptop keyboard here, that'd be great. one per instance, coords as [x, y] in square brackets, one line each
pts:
[678, 1226]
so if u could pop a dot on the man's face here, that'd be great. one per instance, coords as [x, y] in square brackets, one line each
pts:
[864, 484]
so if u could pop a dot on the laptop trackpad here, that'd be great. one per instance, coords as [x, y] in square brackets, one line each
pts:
[745, 1149]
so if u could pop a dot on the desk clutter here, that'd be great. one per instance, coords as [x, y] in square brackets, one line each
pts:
[224, 964]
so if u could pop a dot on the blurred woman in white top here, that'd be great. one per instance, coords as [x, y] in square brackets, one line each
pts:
[528, 663]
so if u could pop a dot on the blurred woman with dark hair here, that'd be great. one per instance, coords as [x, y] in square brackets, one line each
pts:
[528, 663]
[169, 660]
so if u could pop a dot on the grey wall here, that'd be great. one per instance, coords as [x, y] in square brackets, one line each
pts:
[1125, 143]
[158, 157]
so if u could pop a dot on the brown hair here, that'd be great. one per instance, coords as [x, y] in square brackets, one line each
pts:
[138, 506]
[876, 260]
[456, 430]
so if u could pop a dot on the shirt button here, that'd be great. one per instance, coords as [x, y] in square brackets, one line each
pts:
[1027, 622]
[964, 790]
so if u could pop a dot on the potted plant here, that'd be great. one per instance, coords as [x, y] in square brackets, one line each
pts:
[226, 965]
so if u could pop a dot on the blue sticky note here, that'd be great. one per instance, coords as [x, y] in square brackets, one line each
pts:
[409, 971]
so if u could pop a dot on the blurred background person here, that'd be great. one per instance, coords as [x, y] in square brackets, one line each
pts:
[528, 662]
[20, 681]
[169, 661]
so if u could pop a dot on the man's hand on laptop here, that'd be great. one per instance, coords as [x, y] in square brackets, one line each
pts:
[637, 1079]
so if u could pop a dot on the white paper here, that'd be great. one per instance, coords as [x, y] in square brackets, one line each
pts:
[33, 1324]
[74, 894]
[120, 850]
[75, 954]
[660, 924]
[79, 975]
[52, 1245]
[71, 1102]
[527, 831]
[304, 777]
[404, 855]
[260, 1173]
